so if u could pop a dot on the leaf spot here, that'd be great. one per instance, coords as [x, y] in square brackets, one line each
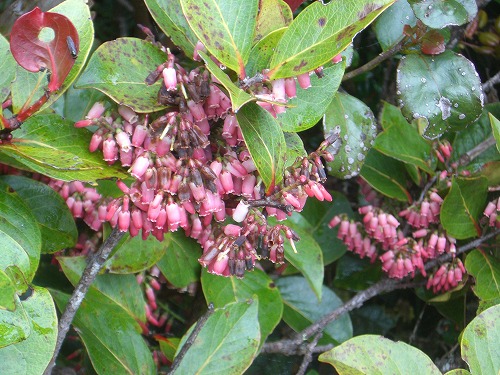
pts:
[322, 22]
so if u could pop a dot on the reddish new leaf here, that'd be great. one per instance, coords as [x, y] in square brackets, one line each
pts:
[34, 54]
[294, 4]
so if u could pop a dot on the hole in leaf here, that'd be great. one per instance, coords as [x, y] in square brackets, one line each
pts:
[47, 34]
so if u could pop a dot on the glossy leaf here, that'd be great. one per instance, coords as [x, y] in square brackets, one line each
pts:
[357, 132]
[180, 264]
[168, 15]
[223, 290]
[56, 223]
[7, 68]
[273, 15]
[321, 32]
[225, 27]
[389, 25]
[385, 175]
[302, 309]
[119, 68]
[444, 90]
[76, 103]
[78, 13]
[309, 258]
[35, 51]
[310, 105]
[52, 146]
[486, 271]
[401, 141]
[480, 340]
[319, 214]
[237, 95]
[32, 355]
[462, 206]
[262, 52]
[227, 343]
[371, 354]
[20, 238]
[7, 292]
[495, 127]
[294, 148]
[471, 137]
[440, 13]
[110, 335]
[133, 254]
[265, 141]
[121, 289]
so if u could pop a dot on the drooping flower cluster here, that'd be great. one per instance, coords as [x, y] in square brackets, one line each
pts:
[192, 170]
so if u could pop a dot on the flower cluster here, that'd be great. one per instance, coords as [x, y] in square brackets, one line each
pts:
[191, 169]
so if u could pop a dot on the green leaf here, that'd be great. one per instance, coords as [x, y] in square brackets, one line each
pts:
[480, 340]
[52, 146]
[389, 26]
[110, 335]
[119, 69]
[309, 258]
[262, 52]
[75, 104]
[265, 141]
[225, 27]
[462, 207]
[15, 326]
[495, 127]
[168, 346]
[294, 148]
[319, 214]
[223, 290]
[357, 131]
[310, 105]
[458, 371]
[486, 270]
[57, 226]
[133, 254]
[302, 309]
[353, 273]
[444, 90]
[237, 95]
[372, 354]
[273, 15]
[227, 343]
[32, 355]
[121, 289]
[7, 68]
[471, 137]
[321, 32]
[168, 15]
[180, 264]
[401, 141]
[386, 175]
[20, 238]
[440, 13]
[7, 292]
[79, 14]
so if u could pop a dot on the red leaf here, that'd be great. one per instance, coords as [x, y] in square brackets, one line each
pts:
[294, 4]
[33, 54]
[433, 43]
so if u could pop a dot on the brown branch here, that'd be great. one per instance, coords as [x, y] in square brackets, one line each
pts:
[308, 354]
[476, 151]
[377, 60]
[190, 340]
[89, 274]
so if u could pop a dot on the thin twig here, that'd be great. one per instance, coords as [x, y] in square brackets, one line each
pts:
[476, 151]
[89, 274]
[190, 340]
[308, 354]
[374, 62]
[488, 85]
[413, 335]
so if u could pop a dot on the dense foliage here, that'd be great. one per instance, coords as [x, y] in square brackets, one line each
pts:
[250, 186]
